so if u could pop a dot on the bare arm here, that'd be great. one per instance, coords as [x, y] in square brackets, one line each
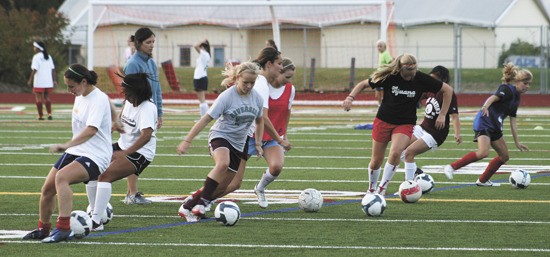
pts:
[259, 135]
[29, 82]
[84, 136]
[115, 118]
[54, 79]
[488, 102]
[143, 139]
[356, 90]
[514, 129]
[195, 130]
[456, 126]
[447, 97]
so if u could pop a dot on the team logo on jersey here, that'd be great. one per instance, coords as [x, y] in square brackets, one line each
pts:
[126, 120]
[432, 108]
[408, 93]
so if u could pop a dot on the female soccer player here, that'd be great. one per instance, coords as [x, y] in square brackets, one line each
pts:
[488, 124]
[200, 76]
[135, 148]
[42, 78]
[86, 156]
[235, 110]
[403, 86]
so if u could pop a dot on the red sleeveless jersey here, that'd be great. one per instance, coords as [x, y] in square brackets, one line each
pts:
[278, 112]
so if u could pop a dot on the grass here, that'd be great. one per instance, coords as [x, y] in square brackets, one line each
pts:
[456, 219]
[325, 79]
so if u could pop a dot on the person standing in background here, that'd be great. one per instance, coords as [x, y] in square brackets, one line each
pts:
[131, 49]
[200, 77]
[42, 78]
[142, 62]
[384, 58]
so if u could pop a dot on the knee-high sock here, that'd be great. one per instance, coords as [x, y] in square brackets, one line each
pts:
[389, 171]
[265, 180]
[91, 191]
[39, 109]
[410, 168]
[103, 196]
[373, 178]
[209, 187]
[49, 107]
[465, 160]
[203, 108]
[493, 166]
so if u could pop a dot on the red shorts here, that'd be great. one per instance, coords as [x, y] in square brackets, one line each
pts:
[382, 131]
[42, 89]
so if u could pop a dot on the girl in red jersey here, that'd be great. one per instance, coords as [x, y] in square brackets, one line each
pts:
[403, 86]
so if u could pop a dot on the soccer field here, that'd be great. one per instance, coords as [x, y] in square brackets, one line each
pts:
[456, 219]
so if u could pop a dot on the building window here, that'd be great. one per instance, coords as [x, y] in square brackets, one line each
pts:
[185, 56]
[219, 56]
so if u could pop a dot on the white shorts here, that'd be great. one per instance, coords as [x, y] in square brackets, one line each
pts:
[420, 133]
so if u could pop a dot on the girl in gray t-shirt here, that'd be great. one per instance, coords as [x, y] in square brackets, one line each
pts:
[234, 110]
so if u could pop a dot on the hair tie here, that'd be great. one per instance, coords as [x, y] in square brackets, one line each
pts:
[76, 72]
[37, 46]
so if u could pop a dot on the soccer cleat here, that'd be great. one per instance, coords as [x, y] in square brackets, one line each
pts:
[50, 117]
[262, 201]
[208, 206]
[187, 199]
[371, 191]
[487, 184]
[36, 234]
[381, 191]
[448, 170]
[418, 172]
[199, 210]
[57, 236]
[40, 118]
[187, 214]
[137, 199]
[97, 226]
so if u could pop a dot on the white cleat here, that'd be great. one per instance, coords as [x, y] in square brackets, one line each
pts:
[187, 214]
[448, 170]
[262, 201]
[487, 184]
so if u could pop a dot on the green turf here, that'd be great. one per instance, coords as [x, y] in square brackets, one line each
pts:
[457, 219]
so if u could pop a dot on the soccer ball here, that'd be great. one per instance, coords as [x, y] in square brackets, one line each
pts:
[520, 179]
[81, 224]
[227, 213]
[373, 204]
[426, 182]
[410, 191]
[310, 200]
[106, 216]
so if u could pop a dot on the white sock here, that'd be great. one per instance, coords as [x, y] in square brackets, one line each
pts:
[402, 157]
[410, 168]
[265, 180]
[373, 178]
[104, 190]
[91, 189]
[389, 171]
[203, 108]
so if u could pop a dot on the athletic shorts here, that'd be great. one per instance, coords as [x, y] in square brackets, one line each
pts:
[235, 155]
[379, 88]
[265, 144]
[493, 135]
[48, 90]
[200, 84]
[420, 133]
[90, 166]
[138, 160]
[382, 131]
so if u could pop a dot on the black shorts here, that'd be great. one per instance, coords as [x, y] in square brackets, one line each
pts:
[493, 135]
[90, 166]
[379, 88]
[201, 84]
[235, 156]
[138, 160]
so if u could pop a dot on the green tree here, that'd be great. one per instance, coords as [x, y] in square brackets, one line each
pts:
[518, 47]
[18, 29]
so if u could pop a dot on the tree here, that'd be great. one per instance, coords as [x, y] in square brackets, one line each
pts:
[518, 47]
[18, 29]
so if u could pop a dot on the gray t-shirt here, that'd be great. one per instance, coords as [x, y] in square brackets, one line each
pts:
[234, 114]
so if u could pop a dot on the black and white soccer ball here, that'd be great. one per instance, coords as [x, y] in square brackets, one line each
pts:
[106, 216]
[81, 224]
[310, 200]
[227, 213]
[426, 182]
[373, 204]
[520, 179]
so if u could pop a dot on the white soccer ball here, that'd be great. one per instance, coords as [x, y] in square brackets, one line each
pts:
[227, 213]
[373, 204]
[310, 200]
[410, 191]
[106, 216]
[520, 179]
[81, 224]
[426, 182]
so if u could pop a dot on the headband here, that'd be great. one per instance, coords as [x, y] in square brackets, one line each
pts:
[76, 72]
[37, 46]
[288, 65]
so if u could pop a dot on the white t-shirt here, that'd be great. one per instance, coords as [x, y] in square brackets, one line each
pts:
[93, 110]
[43, 76]
[202, 65]
[136, 119]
